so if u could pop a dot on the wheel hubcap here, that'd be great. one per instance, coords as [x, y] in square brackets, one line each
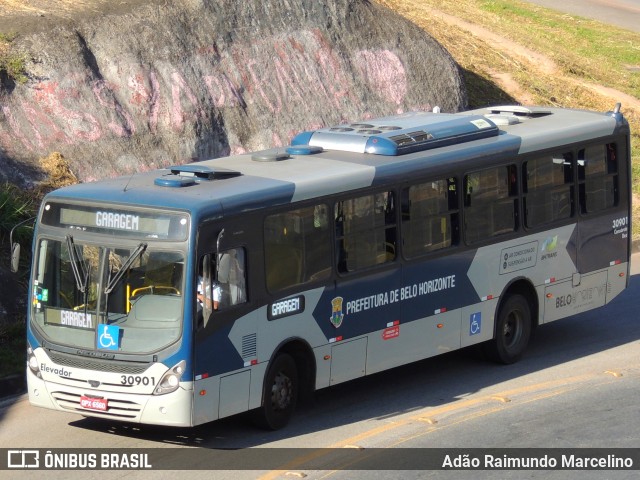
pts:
[281, 392]
[512, 331]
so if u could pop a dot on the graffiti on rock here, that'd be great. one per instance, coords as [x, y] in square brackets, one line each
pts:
[162, 99]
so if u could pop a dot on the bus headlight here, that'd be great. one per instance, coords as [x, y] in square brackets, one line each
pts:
[32, 363]
[170, 380]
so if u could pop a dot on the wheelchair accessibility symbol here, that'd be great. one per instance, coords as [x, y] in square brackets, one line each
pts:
[109, 336]
[475, 323]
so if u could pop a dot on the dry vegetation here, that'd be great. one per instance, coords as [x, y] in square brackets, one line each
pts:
[58, 171]
[54, 7]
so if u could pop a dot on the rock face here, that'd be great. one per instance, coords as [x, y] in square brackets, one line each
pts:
[168, 82]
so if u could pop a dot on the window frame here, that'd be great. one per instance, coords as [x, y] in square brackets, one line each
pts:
[582, 178]
[569, 183]
[390, 227]
[305, 278]
[452, 213]
[511, 199]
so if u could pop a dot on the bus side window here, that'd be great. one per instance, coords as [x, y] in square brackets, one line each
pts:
[598, 177]
[490, 201]
[205, 291]
[297, 247]
[429, 216]
[365, 231]
[232, 277]
[548, 189]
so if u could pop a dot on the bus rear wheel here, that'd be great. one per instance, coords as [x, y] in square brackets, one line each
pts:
[513, 330]
[280, 394]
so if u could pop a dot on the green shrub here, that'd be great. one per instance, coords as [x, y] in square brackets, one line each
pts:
[15, 206]
[13, 65]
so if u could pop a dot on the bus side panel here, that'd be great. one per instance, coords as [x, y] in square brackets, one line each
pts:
[542, 258]
[206, 400]
[348, 360]
[563, 299]
[618, 278]
[408, 342]
[478, 322]
[603, 241]
[605, 233]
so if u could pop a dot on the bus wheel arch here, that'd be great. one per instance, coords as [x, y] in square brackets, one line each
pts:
[289, 377]
[515, 321]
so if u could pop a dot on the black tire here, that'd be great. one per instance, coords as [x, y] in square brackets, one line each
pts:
[513, 330]
[280, 394]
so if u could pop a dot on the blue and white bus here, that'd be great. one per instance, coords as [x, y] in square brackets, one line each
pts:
[196, 292]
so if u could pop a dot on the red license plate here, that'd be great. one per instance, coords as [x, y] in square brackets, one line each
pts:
[93, 403]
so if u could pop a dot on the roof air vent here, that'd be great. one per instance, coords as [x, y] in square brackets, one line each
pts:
[270, 156]
[303, 150]
[174, 182]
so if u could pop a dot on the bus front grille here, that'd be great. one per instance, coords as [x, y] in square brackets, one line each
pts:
[123, 409]
[113, 366]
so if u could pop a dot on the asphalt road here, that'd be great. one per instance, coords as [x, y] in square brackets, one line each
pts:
[622, 13]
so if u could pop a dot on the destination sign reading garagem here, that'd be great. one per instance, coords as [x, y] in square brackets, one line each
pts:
[70, 318]
[116, 221]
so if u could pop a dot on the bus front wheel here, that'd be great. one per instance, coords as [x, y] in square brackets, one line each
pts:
[513, 330]
[280, 393]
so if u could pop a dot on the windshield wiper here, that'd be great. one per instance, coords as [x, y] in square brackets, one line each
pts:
[82, 278]
[118, 276]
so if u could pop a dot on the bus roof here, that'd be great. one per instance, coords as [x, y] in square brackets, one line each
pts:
[351, 156]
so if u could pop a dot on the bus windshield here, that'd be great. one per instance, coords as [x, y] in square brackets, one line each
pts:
[107, 298]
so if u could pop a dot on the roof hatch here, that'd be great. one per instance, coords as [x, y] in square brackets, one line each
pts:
[518, 111]
[187, 175]
[400, 134]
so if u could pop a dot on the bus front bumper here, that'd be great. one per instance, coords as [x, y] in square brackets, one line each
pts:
[172, 409]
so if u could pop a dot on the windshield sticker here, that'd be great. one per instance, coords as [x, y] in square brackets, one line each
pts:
[69, 318]
[109, 337]
[40, 294]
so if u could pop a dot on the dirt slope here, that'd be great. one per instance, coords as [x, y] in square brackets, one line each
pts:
[535, 59]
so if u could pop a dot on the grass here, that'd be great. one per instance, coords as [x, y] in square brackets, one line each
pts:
[12, 64]
[582, 50]
[17, 205]
[13, 348]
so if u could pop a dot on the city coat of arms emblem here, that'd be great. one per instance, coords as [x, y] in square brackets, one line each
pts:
[336, 312]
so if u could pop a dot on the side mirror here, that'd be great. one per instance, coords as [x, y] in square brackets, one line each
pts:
[15, 257]
[15, 247]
